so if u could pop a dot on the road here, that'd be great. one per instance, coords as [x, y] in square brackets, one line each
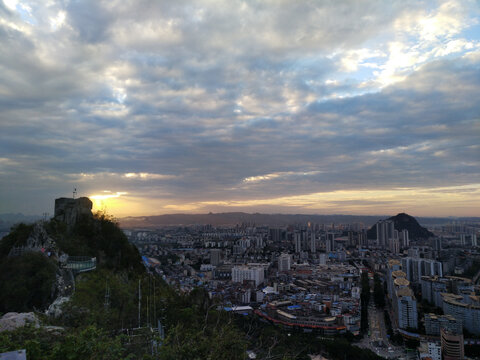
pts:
[378, 341]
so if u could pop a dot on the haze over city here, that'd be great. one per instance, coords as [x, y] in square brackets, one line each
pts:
[149, 107]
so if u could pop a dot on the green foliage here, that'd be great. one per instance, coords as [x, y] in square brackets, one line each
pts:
[87, 306]
[378, 292]
[17, 237]
[89, 343]
[195, 329]
[222, 341]
[101, 237]
[364, 300]
[26, 282]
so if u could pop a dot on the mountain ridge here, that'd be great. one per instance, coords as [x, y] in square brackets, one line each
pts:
[237, 218]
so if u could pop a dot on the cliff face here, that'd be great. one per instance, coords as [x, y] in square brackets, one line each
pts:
[69, 210]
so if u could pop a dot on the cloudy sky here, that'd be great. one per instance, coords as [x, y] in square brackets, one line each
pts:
[152, 107]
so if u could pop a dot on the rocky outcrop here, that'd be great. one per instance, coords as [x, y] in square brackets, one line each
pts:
[55, 309]
[64, 283]
[39, 239]
[70, 210]
[12, 320]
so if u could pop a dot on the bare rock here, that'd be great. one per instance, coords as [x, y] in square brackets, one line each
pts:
[70, 210]
[55, 309]
[12, 320]
[39, 239]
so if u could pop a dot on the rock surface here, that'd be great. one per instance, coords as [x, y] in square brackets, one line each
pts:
[39, 239]
[70, 210]
[55, 309]
[12, 320]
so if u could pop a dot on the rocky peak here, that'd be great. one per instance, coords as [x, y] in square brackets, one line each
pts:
[70, 210]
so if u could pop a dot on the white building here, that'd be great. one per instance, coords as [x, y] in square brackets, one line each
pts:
[385, 232]
[284, 262]
[415, 268]
[241, 273]
[405, 241]
[407, 308]
[430, 350]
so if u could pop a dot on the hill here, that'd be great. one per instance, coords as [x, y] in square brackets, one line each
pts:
[30, 274]
[404, 221]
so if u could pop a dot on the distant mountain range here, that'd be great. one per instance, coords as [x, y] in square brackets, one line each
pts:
[7, 220]
[401, 222]
[234, 218]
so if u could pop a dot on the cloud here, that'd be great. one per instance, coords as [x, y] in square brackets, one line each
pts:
[191, 106]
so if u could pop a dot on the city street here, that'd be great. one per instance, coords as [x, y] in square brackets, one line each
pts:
[378, 341]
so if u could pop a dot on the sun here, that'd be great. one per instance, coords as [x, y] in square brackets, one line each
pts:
[107, 201]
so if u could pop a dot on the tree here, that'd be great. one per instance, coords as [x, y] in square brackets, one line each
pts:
[26, 282]
[364, 300]
[378, 292]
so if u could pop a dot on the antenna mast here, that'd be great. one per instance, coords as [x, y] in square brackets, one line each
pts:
[106, 304]
[139, 302]
[74, 192]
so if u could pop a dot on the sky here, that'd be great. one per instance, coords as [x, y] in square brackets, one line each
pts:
[320, 107]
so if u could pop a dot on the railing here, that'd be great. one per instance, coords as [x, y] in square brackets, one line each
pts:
[80, 264]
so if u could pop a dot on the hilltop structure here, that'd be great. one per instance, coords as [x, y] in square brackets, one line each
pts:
[69, 210]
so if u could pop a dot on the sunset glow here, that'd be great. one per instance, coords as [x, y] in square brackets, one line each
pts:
[311, 107]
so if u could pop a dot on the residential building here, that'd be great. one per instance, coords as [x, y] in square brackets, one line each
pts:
[241, 273]
[452, 345]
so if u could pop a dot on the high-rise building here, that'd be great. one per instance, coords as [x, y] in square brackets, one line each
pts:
[297, 238]
[215, 257]
[284, 262]
[241, 273]
[437, 243]
[434, 322]
[468, 313]
[404, 240]
[452, 345]
[407, 308]
[276, 234]
[474, 240]
[432, 288]
[330, 244]
[385, 231]
[394, 245]
[313, 245]
[415, 268]
[462, 240]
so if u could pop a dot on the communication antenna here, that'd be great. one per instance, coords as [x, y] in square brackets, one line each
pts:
[106, 304]
[154, 303]
[139, 302]
[74, 192]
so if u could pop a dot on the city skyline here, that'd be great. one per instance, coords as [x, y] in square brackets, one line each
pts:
[276, 107]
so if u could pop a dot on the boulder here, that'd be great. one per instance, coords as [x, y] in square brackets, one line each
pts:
[55, 309]
[12, 320]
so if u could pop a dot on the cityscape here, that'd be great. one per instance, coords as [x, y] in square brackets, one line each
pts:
[311, 277]
[392, 288]
[239, 179]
